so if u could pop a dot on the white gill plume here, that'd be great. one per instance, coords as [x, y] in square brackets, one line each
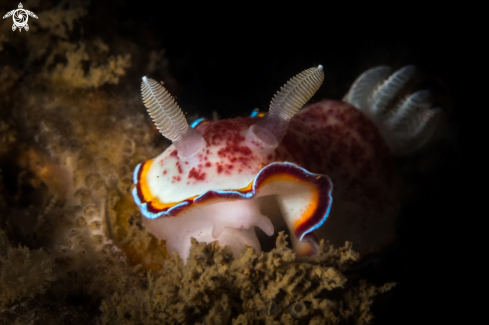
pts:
[405, 123]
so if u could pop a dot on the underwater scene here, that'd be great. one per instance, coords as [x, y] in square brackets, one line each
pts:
[160, 166]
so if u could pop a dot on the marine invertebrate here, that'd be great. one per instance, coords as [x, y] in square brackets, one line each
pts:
[213, 182]
[213, 177]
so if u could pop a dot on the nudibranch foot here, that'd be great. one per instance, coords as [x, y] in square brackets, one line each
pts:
[228, 222]
[405, 124]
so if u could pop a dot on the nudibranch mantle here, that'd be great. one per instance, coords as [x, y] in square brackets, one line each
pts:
[230, 168]
[229, 161]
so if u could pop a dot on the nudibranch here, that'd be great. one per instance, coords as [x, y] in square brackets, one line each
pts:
[214, 181]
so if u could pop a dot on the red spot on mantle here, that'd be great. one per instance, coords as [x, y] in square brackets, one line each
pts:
[228, 135]
[234, 150]
[197, 174]
[179, 167]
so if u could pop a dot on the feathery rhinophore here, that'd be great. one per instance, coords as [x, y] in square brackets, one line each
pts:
[296, 92]
[164, 111]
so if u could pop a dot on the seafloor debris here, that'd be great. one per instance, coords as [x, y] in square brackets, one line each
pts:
[270, 288]
[23, 273]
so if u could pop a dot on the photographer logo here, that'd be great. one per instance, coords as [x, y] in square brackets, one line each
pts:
[20, 17]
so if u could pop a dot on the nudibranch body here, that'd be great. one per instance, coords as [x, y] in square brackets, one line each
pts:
[214, 181]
